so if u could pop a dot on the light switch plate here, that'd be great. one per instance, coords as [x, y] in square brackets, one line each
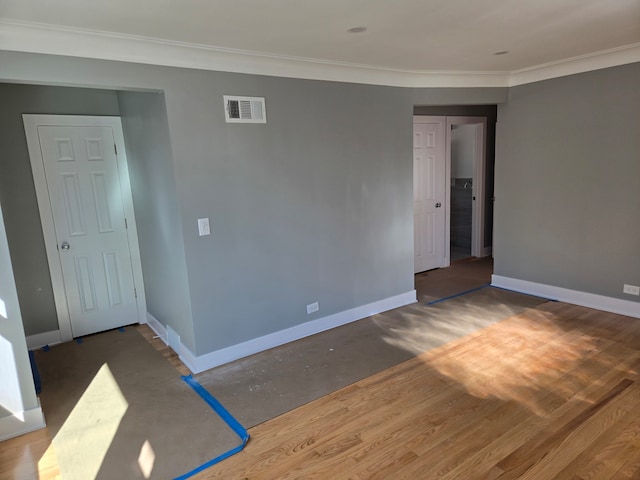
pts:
[203, 227]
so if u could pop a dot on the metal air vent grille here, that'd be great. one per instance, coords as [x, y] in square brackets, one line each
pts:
[244, 109]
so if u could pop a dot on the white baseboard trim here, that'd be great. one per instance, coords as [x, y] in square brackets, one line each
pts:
[39, 340]
[591, 300]
[21, 423]
[204, 362]
[157, 327]
[170, 338]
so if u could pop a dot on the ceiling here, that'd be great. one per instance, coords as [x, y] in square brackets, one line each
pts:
[419, 38]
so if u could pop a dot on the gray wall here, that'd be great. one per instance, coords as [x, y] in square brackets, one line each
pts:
[17, 193]
[567, 172]
[313, 206]
[151, 170]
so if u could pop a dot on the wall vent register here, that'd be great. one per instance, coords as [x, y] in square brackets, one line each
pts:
[244, 109]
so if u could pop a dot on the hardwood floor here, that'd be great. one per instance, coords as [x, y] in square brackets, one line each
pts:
[32, 456]
[552, 393]
[29, 457]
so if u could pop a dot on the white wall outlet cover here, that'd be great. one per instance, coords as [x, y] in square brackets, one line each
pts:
[631, 289]
[312, 308]
[203, 226]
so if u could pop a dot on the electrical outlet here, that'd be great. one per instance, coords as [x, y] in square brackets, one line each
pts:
[203, 226]
[631, 289]
[312, 307]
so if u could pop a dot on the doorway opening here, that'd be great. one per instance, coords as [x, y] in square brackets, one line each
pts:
[463, 226]
[461, 190]
[84, 197]
[466, 158]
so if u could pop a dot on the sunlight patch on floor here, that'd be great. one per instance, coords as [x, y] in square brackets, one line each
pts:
[146, 459]
[47, 463]
[422, 327]
[92, 425]
[520, 364]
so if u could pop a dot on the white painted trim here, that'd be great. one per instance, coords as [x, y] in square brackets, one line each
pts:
[570, 66]
[204, 362]
[591, 300]
[39, 340]
[21, 423]
[127, 196]
[48, 228]
[487, 251]
[76, 42]
[31, 123]
[479, 175]
[447, 192]
[158, 328]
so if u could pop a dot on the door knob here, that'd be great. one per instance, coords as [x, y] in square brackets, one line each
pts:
[65, 246]
[438, 205]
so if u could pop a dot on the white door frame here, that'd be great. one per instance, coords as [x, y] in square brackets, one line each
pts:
[31, 124]
[477, 229]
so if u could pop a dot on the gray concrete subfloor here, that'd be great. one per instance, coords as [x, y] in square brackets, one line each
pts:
[111, 396]
[459, 253]
[262, 386]
[461, 276]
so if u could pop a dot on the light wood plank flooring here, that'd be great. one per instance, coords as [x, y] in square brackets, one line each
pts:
[550, 393]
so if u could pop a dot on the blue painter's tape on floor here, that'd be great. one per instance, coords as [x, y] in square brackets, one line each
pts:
[457, 295]
[78, 341]
[228, 419]
[35, 372]
[121, 329]
[46, 348]
[525, 293]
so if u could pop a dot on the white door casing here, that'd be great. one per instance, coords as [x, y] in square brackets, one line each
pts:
[84, 197]
[477, 222]
[429, 193]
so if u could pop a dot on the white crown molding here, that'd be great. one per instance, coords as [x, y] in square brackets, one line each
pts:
[74, 42]
[584, 63]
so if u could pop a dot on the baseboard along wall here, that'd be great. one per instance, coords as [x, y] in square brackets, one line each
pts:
[584, 299]
[21, 423]
[39, 340]
[204, 362]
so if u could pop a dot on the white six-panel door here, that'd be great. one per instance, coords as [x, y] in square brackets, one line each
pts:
[89, 205]
[429, 192]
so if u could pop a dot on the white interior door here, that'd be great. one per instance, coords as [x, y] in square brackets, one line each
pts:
[88, 206]
[429, 173]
